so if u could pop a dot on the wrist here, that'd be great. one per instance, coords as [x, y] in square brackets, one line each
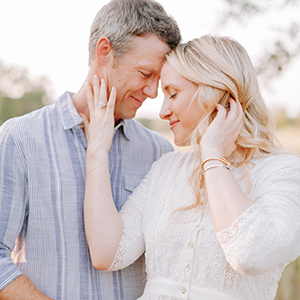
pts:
[98, 156]
[96, 160]
[215, 161]
[210, 152]
[101, 167]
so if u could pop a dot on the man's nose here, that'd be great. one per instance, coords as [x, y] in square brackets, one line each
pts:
[151, 88]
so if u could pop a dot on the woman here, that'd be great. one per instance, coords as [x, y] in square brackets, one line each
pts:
[219, 222]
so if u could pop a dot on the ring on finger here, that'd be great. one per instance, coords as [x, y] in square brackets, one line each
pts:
[102, 106]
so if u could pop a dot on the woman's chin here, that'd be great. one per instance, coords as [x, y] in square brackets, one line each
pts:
[181, 143]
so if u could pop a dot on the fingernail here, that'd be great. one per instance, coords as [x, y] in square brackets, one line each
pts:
[102, 81]
[95, 77]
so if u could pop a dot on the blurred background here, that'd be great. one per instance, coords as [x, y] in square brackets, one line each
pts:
[44, 52]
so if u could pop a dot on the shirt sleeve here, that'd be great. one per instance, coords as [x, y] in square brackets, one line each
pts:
[13, 197]
[132, 244]
[267, 233]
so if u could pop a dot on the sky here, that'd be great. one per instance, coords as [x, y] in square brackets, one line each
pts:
[50, 38]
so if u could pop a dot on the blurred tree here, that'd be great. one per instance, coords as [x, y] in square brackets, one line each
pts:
[282, 119]
[280, 49]
[298, 120]
[20, 93]
[155, 124]
[30, 101]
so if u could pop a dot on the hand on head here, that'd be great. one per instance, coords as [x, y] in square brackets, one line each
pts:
[219, 140]
[99, 129]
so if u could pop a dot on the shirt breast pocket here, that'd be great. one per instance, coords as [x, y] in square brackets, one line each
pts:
[130, 182]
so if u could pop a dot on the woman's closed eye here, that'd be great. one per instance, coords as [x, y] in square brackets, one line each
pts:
[172, 96]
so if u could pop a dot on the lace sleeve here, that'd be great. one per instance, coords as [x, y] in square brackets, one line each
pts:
[231, 232]
[268, 232]
[131, 245]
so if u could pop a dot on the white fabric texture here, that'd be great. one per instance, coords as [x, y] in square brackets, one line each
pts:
[186, 259]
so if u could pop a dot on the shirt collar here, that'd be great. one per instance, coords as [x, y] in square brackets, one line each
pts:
[67, 112]
[125, 127]
[70, 118]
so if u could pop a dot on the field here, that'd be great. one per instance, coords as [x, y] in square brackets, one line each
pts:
[290, 138]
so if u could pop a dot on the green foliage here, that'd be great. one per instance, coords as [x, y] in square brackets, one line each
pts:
[237, 9]
[30, 101]
[282, 119]
[155, 124]
[19, 92]
[289, 285]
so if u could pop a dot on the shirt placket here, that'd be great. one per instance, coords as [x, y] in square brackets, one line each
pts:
[79, 133]
[189, 258]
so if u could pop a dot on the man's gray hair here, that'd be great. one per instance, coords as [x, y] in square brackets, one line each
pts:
[123, 20]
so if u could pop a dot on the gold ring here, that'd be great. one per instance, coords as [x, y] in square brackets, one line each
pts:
[102, 106]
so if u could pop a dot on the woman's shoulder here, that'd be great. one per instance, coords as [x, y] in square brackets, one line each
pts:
[277, 160]
[174, 159]
[286, 164]
[176, 156]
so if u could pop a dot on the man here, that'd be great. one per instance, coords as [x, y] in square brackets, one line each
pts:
[42, 163]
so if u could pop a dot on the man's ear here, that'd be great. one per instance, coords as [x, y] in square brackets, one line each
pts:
[103, 50]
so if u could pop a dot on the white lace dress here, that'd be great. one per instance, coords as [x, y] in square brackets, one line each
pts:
[186, 259]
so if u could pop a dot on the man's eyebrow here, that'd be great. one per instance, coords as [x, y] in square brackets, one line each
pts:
[145, 68]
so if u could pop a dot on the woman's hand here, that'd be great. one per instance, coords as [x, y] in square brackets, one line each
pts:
[227, 201]
[103, 224]
[99, 130]
[219, 140]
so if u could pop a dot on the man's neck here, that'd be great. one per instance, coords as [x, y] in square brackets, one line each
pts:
[80, 102]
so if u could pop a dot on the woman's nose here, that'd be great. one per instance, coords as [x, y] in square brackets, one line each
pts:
[165, 111]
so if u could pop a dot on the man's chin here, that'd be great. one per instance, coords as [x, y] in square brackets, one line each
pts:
[125, 116]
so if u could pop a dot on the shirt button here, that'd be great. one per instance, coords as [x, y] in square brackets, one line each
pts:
[191, 245]
[187, 268]
[197, 224]
[183, 290]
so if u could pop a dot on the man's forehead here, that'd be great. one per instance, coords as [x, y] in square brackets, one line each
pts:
[149, 62]
[150, 46]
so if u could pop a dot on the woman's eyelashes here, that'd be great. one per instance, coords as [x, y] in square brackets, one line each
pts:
[173, 94]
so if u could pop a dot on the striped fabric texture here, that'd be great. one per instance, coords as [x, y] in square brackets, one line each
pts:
[42, 181]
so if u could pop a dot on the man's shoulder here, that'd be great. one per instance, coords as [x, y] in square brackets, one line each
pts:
[26, 122]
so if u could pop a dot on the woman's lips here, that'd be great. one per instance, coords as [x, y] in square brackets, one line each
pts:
[173, 124]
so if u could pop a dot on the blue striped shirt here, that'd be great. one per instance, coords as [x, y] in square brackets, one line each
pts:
[42, 180]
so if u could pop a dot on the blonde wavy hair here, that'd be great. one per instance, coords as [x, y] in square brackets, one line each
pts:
[221, 68]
